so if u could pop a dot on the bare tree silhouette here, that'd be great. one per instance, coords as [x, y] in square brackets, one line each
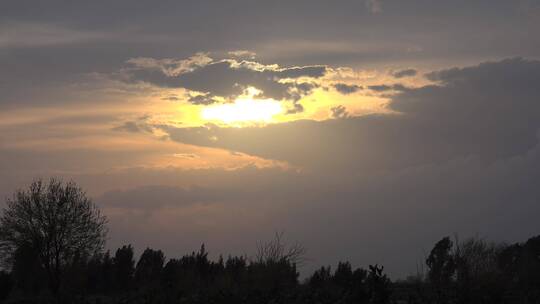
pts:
[57, 221]
[276, 250]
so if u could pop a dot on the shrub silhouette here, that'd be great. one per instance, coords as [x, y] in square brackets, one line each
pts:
[441, 269]
[149, 268]
[124, 267]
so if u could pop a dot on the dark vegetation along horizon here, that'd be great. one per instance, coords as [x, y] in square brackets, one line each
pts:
[52, 247]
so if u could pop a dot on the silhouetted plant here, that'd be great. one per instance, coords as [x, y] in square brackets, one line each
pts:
[478, 276]
[521, 266]
[275, 250]
[124, 266]
[378, 285]
[6, 285]
[343, 275]
[27, 271]
[320, 278]
[149, 267]
[441, 268]
[57, 221]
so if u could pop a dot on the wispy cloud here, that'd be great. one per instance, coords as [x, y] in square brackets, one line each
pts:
[39, 35]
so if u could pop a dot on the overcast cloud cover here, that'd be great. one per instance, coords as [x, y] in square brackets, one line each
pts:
[100, 92]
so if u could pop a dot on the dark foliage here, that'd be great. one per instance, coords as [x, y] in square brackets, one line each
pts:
[441, 267]
[124, 267]
[473, 271]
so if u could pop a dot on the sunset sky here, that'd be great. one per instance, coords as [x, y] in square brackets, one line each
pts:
[364, 129]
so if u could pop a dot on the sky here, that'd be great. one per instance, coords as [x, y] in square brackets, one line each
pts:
[365, 130]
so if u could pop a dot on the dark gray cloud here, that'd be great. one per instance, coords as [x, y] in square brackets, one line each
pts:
[387, 87]
[296, 108]
[481, 105]
[296, 72]
[171, 98]
[490, 110]
[47, 46]
[380, 87]
[228, 78]
[129, 126]
[140, 125]
[405, 73]
[203, 99]
[345, 89]
[339, 112]
[101, 35]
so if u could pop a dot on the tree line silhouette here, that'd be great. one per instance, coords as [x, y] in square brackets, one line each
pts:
[52, 236]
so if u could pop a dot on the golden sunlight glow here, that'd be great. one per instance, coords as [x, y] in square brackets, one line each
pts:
[245, 109]
[249, 109]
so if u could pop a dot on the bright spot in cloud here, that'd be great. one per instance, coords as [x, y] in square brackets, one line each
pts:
[245, 108]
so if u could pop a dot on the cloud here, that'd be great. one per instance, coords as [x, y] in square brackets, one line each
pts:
[339, 112]
[202, 99]
[346, 89]
[387, 87]
[405, 73]
[171, 67]
[171, 98]
[140, 125]
[380, 87]
[297, 72]
[186, 155]
[226, 78]
[461, 116]
[32, 35]
[243, 54]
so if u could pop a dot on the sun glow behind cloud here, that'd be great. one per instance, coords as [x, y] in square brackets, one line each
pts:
[245, 109]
